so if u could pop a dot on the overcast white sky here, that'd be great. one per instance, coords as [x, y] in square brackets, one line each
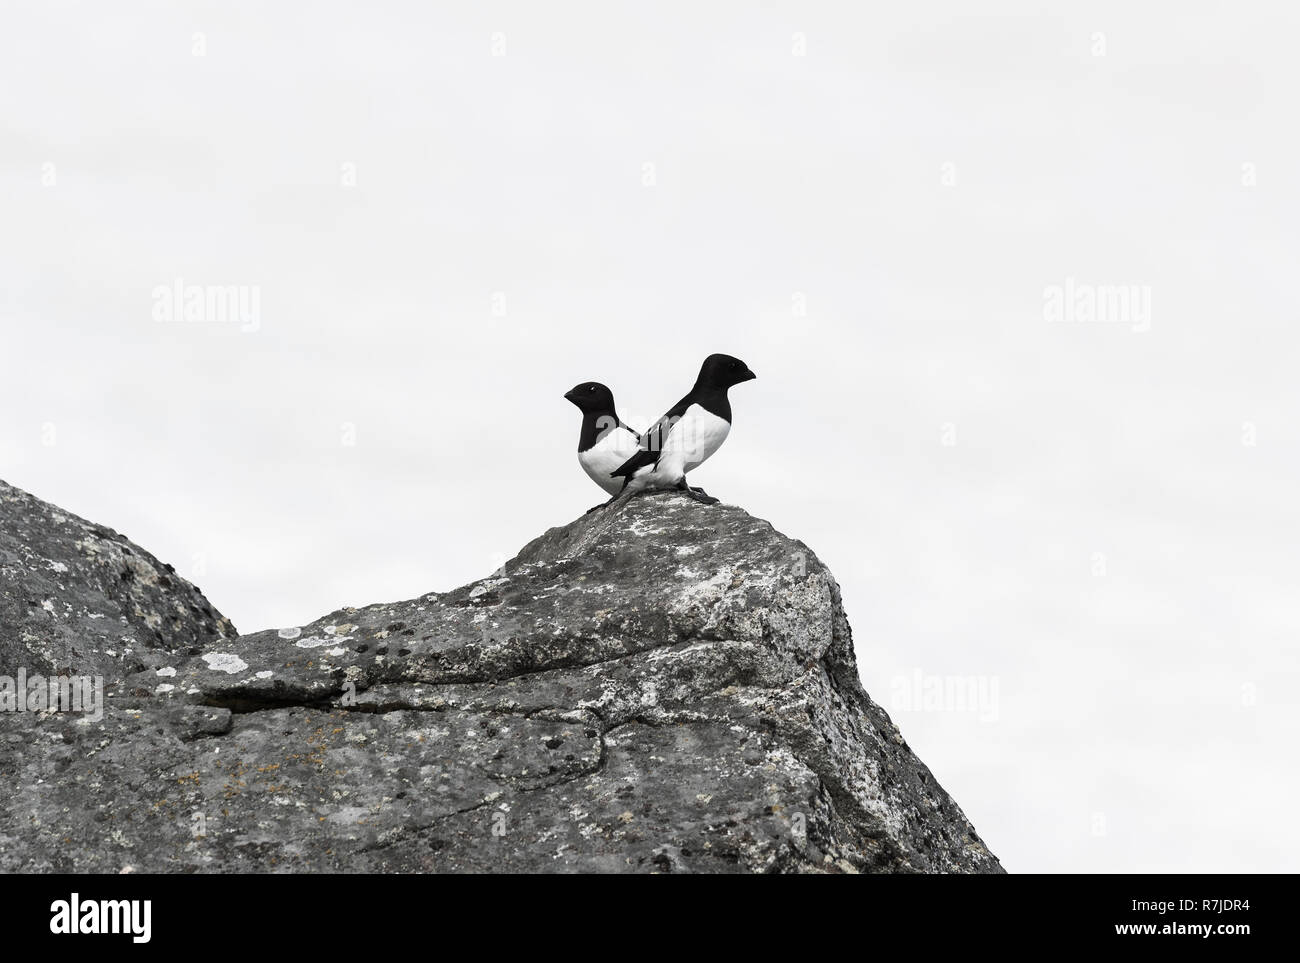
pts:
[449, 220]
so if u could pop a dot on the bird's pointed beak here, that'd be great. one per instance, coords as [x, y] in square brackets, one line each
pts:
[749, 375]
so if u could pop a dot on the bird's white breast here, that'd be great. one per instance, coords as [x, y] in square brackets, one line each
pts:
[608, 454]
[695, 436]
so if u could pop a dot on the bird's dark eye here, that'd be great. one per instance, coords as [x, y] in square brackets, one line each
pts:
[733, 364]
[592, 388]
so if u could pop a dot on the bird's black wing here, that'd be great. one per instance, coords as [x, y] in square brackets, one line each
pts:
[652, 441]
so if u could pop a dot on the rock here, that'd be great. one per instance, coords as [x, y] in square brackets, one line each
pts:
[78, 598]
[663, 686]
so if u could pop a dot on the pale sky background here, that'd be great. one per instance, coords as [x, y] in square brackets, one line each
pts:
[1096, 521]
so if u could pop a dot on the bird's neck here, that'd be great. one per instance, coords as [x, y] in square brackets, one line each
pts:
[595, 424]
[712, 399]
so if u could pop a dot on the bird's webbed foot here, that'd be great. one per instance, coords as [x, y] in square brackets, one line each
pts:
[699, 494]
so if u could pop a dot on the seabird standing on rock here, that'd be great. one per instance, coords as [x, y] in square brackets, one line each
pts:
[604, 442]
[691, 431]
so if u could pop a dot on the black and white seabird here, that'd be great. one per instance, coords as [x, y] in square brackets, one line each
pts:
[604, 442]
[691, 431]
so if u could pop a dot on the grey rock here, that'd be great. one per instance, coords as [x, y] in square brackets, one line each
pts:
[662, 686]
[78, 598]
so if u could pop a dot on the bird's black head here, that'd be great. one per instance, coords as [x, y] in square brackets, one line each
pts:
[592, 396]
[723, 371]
